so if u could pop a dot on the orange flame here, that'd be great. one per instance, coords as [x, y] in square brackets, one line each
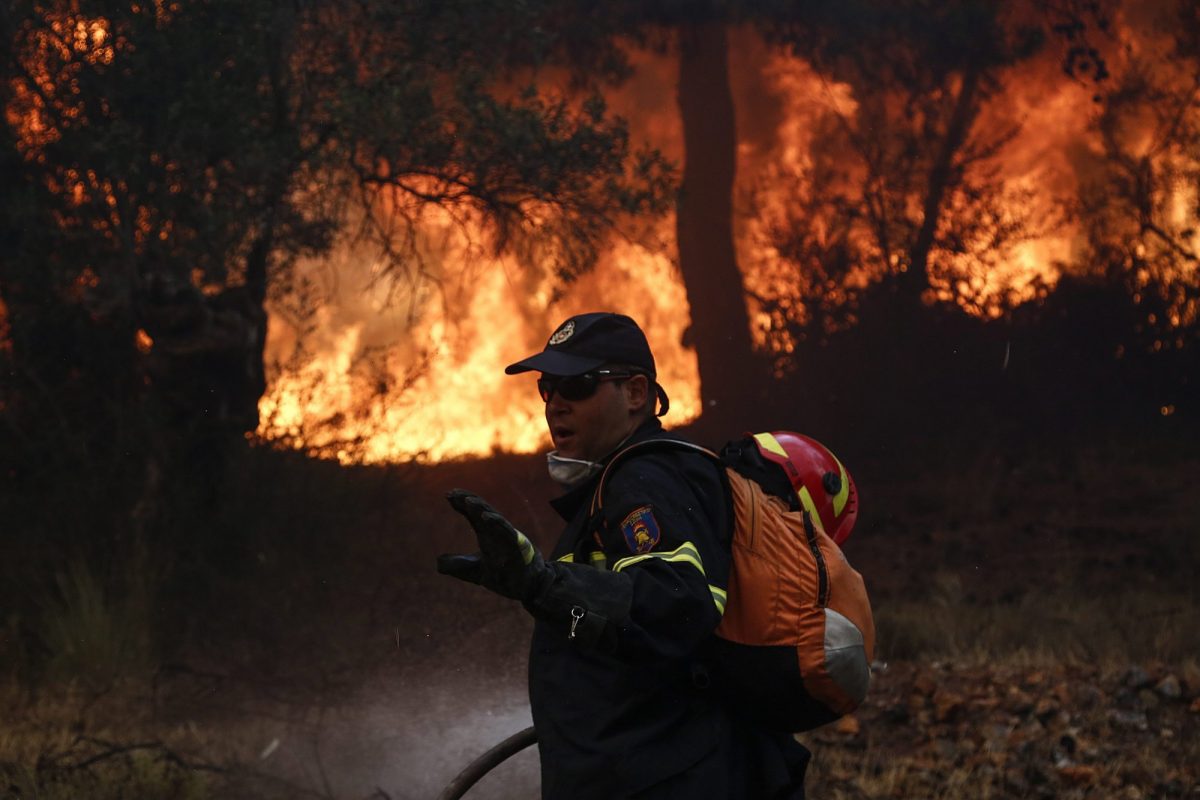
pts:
[987, 276]
[426, 382]
[37, 111]
[394, 368]
[374, 367]
[435, 388]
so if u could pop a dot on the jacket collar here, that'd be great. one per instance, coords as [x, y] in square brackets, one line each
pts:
[567, 505]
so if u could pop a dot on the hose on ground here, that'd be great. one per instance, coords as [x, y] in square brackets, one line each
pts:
[487, 762]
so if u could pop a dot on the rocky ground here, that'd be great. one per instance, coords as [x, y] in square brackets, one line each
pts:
[928, 731]
[943, 730]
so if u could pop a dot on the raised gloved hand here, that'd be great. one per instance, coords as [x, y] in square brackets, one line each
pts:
[507, 562]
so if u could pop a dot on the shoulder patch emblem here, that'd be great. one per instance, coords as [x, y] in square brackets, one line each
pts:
[641, 530]
[563, 333]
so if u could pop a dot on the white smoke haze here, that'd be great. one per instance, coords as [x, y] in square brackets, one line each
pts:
[404, 731]
[410, 741]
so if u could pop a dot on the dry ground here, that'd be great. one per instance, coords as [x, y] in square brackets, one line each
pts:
[1037, 624]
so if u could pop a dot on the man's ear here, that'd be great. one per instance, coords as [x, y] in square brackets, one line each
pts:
[637, 392]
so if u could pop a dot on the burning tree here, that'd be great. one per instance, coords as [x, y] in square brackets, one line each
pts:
[1141, 198]
[165, 163]
[887, 171]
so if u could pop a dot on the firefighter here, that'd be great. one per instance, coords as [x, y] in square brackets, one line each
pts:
[626, 601]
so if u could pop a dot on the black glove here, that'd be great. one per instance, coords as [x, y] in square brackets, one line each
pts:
[507, 562]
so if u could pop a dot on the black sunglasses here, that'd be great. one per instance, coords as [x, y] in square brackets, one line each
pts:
[578, 387]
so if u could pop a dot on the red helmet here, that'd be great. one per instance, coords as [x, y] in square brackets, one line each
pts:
[823, 485]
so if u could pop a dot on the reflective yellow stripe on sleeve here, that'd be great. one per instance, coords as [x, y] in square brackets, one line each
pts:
[719, 598]
[596, 558]
[686, 553]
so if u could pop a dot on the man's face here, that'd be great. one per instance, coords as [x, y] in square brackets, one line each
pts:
[591, 428]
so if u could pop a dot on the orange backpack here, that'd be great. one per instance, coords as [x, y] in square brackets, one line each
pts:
[795, 644]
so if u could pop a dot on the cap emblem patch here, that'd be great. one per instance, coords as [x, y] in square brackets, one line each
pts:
[563, 333]
[641, 530]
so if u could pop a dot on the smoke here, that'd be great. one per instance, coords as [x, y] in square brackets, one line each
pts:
[409, 729]
[410, 741]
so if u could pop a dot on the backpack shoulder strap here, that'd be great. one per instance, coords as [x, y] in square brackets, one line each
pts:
[638, 448]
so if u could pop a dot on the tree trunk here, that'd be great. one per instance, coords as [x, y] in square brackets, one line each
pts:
[916, 280]
[720, 327]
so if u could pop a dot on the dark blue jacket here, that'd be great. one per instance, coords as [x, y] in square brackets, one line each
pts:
[617, 679]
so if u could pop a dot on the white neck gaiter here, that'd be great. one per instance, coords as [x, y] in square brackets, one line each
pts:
[570, 471]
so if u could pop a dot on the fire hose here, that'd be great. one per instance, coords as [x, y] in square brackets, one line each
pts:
[487, 762]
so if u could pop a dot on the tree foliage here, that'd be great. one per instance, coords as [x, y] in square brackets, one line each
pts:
[165, 162]
[902, 176]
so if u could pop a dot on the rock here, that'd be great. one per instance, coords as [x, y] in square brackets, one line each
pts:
[1169, 688]
[1147, 698]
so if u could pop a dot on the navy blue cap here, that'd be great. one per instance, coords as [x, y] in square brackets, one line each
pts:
[588, 341]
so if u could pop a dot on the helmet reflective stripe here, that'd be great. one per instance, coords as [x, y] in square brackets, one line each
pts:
[806, 500]
[767, 441]
[839, 499]
[821, 484]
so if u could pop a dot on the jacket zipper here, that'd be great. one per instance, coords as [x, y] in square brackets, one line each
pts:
[810, 532]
